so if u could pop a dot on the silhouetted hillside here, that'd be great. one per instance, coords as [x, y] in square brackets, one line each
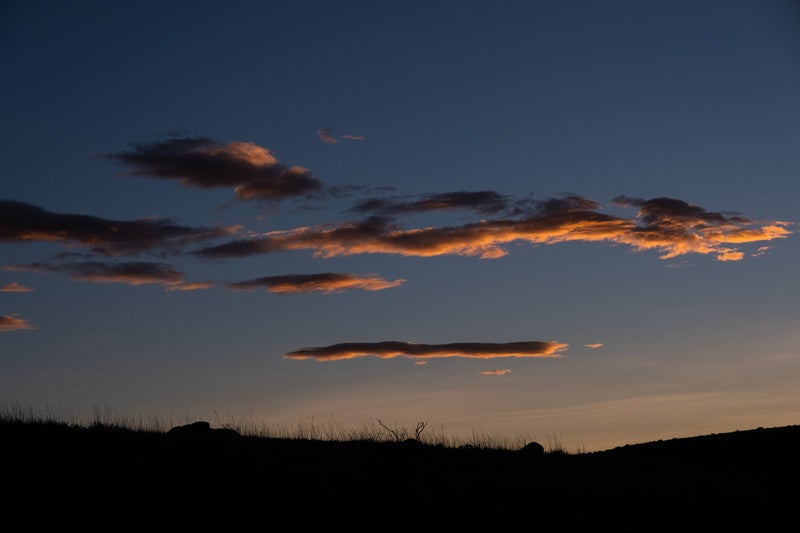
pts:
[57, 476]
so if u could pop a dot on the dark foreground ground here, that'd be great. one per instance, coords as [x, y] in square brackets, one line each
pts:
[56, 478]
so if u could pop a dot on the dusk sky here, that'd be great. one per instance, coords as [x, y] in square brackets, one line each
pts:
[572, 220]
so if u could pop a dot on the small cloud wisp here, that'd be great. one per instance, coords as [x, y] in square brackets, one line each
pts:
[15, 287]
[12, 323]
[496, 372]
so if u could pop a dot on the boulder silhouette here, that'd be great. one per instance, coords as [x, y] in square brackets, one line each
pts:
[533, 449]
[201, 429]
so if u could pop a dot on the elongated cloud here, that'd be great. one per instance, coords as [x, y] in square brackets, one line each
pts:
[392, 349]
[128, 272]
[251, 170]
[327, 282]
[662, 224]
[15, 287]
[22, 222]
[12, 323]
[486, 202]
[594, 346]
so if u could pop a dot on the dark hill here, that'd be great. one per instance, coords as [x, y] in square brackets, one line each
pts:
[58, 477]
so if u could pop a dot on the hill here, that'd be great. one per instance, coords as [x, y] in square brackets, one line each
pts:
[113, 478]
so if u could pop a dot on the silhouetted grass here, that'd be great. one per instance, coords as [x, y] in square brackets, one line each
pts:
[118, 474]
[309, 429]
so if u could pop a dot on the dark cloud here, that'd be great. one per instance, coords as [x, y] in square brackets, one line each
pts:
[128, 272]
[21, 222]
[392, 349]
[325, 282]
[671, 211]
[671, 227]
[12, 323]
[252, 171]
[486, 202]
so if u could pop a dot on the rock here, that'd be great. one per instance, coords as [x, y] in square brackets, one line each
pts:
[202, 428]
[533, 449]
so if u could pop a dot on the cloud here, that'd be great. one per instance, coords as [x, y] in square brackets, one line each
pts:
[325, 136]
[251, 170]
[486, 202]
[496, 372]
[128, 272]
[22, 222]
[184, 286]
[14, 287]
[12, 323]
[594, 346]
[675, 228]
[327, 282]
[671, 227]
[392, 349]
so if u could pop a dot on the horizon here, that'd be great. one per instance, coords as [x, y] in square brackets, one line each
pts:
[572, 222]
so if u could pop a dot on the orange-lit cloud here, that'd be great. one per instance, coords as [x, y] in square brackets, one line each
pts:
[675, 228]
[392, 349]
[251, 170]
[128, 272]
[326, 282]
[183, 286]
[15, 287]
[496, 372]
[671, 227]
[12, 323]
[349, 137]
[21, 222]
[594, 346]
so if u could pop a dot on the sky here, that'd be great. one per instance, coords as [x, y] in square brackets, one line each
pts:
[566, 220]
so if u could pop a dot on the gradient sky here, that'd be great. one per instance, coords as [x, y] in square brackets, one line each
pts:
[570, 220]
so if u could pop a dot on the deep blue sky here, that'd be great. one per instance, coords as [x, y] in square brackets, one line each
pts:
[687, 109]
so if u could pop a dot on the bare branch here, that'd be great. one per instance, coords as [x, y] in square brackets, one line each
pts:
[419, 429]
[390, 430]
